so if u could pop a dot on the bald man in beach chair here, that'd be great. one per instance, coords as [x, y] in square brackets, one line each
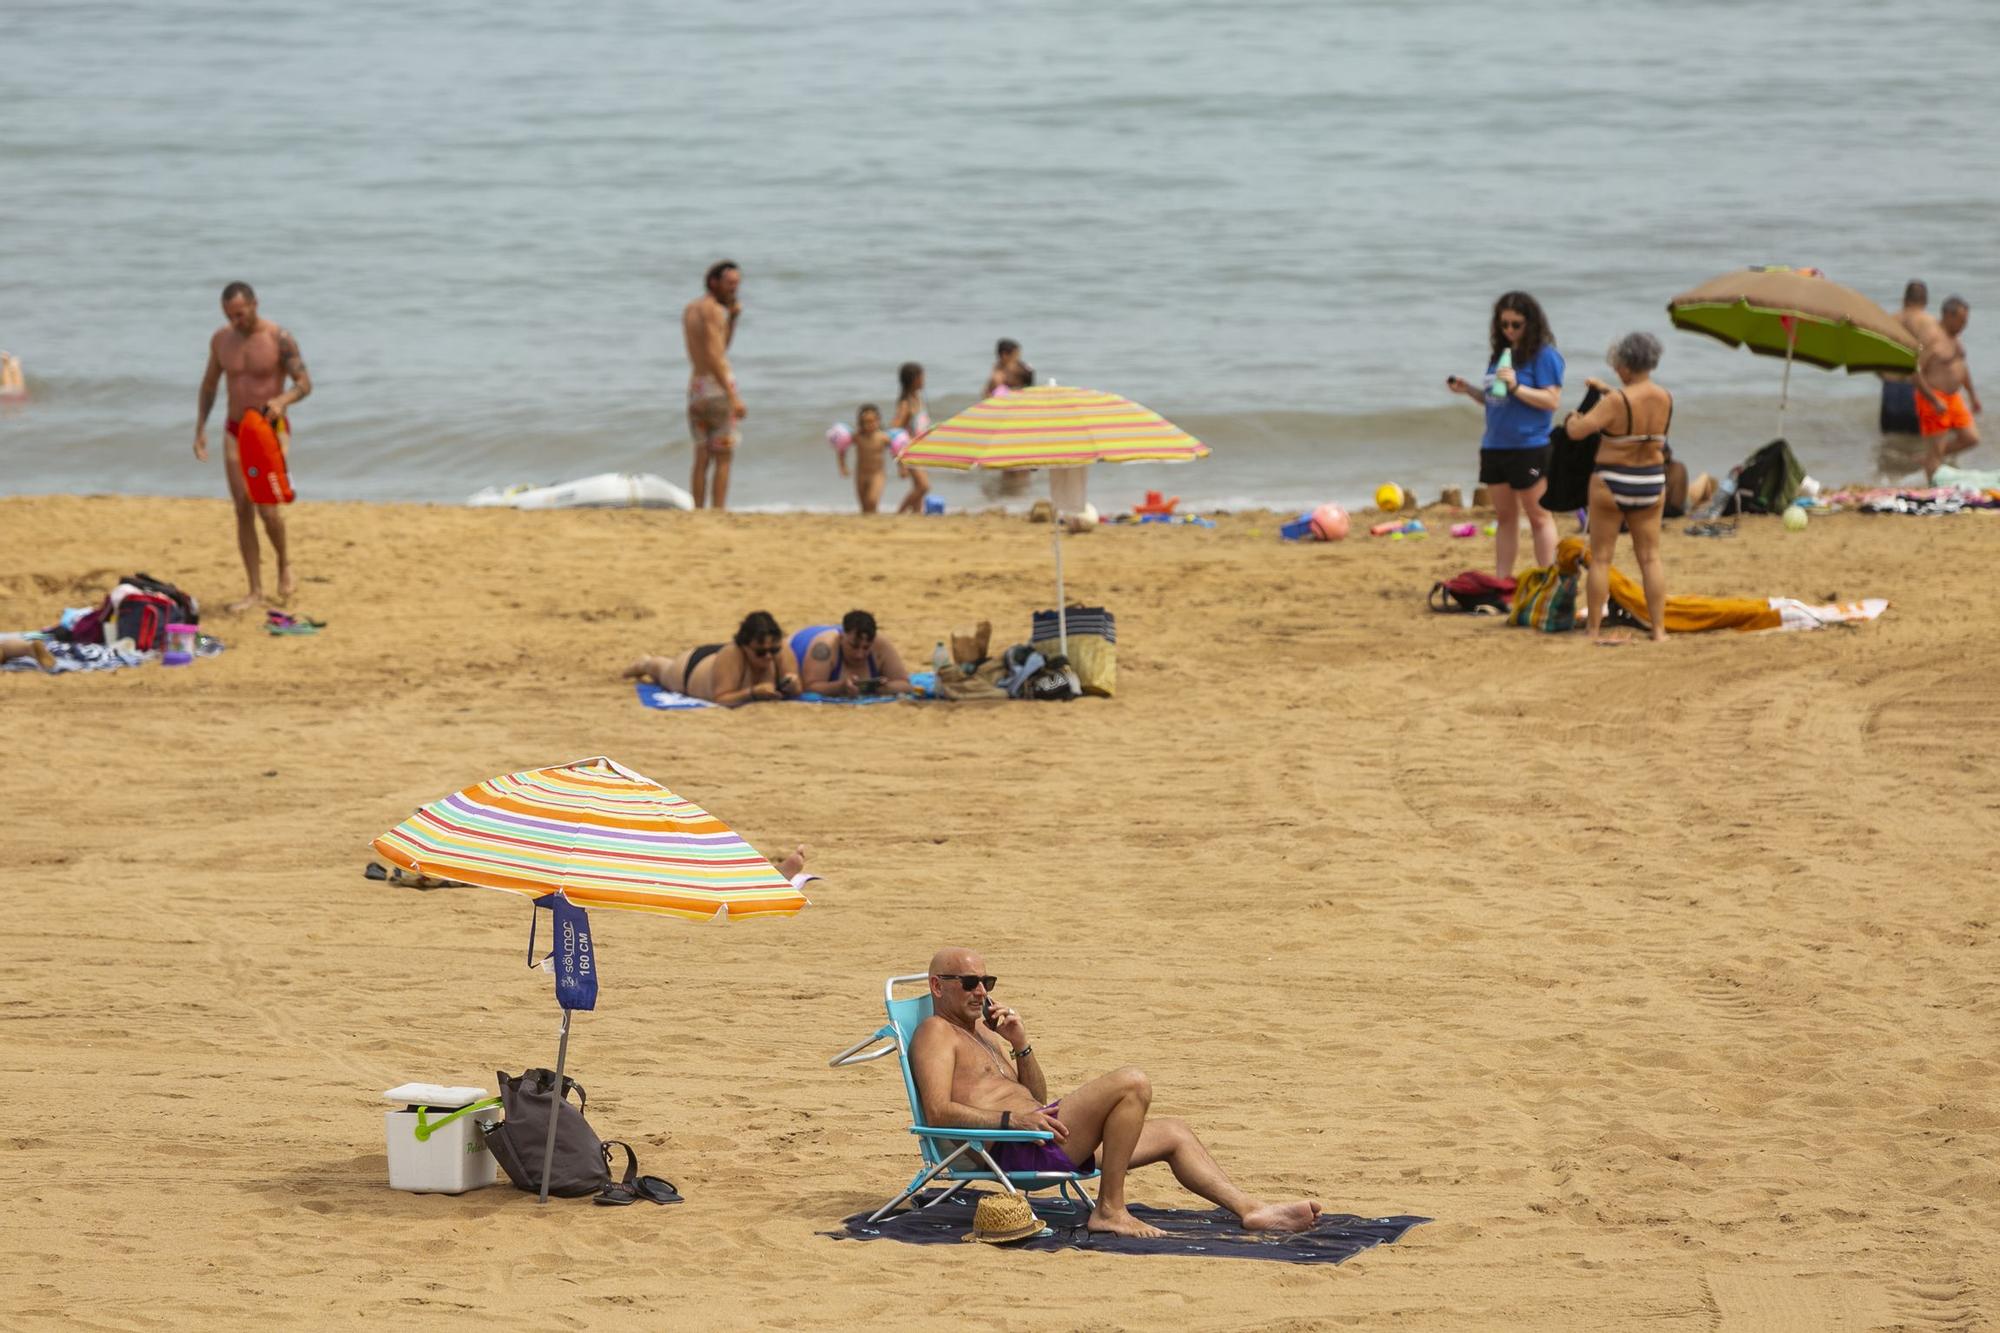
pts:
[976, 1069]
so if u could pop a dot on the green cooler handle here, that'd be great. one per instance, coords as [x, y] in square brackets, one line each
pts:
[426, 1128]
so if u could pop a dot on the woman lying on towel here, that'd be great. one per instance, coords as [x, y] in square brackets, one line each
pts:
[758, 664]
[1629, 482]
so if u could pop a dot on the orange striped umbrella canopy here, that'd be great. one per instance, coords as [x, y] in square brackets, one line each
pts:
[597, 833]
[1052, 425]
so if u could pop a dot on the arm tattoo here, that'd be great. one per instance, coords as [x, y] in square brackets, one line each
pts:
[293, 362]
[820, 652]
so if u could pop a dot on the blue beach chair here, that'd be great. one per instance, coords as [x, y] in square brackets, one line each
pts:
[959, 1156]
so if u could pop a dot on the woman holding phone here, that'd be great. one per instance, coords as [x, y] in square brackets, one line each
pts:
[755, 666]
[1523, 388]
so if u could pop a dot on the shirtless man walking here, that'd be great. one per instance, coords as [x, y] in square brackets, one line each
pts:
[713, 406]
[257, 357]
[1944, 385]
[978, 1070]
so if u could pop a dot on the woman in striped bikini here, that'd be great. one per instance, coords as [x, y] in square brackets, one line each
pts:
[1630, 480]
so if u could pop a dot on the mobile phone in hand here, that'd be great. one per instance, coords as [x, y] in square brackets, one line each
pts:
[986, 1011]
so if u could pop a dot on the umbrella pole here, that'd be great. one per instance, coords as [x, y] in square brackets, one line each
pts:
[1785, 391]
[555, 1108]
[1062, 602]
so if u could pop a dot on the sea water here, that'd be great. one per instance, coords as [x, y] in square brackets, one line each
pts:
[1280, 224]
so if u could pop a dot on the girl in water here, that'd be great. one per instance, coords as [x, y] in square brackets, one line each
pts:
[871, 448]
[911, 417]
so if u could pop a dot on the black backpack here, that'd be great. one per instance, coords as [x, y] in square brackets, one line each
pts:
[185, 606]
[582, 1163]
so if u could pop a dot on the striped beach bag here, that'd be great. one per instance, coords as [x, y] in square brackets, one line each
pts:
[1545, 599]
[1093, 646]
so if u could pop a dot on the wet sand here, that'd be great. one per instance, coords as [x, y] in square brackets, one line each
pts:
[1662, 978]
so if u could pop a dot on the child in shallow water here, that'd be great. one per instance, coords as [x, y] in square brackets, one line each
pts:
[913, 419]
[871, 452]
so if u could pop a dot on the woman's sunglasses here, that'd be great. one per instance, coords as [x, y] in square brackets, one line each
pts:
[764, 650]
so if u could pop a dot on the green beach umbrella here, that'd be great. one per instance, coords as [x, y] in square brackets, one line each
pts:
[1798, 314]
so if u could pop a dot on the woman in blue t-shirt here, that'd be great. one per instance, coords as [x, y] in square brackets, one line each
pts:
[1514, 453]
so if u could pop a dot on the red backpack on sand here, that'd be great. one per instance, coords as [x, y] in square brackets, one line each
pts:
[1473, 591]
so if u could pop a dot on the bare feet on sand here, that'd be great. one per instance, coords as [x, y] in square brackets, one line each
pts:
[1120, 1223]
[288, 585]
[794, 863]
[1296, 1216]
[242, 604]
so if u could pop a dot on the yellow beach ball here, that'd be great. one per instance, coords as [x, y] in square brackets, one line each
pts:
[1389, 497]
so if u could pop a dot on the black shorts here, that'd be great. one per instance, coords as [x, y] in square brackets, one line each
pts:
[1523, 469]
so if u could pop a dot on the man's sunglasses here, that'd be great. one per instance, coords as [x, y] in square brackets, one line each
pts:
[973, 983]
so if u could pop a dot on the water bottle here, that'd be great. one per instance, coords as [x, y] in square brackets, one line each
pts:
[940, 659]
[1498, 388]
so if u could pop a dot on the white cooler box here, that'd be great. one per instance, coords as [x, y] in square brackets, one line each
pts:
[437, 1143]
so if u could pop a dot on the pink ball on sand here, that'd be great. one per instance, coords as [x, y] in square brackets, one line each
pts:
[1329, 523]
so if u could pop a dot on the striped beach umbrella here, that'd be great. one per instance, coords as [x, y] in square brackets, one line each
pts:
[1051, 425]
[1054, 426]
[588, 834]
[598, 834]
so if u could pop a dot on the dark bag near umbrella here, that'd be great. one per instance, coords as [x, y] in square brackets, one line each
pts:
[582, 1162]
[1570, 464]
[1769, 480]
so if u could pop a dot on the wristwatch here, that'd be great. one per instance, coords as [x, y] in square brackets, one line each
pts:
[1024, 1053]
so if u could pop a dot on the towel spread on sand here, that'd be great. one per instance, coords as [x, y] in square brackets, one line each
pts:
[652, 696]
[1691, 615]
[1213, 1234]
[79, 657]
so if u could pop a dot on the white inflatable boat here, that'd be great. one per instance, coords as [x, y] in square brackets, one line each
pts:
[606, 490]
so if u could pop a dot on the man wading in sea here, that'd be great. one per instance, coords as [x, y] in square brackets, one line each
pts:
[256, 356]
[1944, 383]
[709, 323]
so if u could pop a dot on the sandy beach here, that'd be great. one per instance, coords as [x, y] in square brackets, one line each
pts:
[1662, 978]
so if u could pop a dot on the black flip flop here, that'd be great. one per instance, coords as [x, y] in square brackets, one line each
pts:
[655, 1190]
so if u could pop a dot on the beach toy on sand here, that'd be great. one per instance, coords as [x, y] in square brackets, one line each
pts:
[1409, 532]
[1297, 530]
[1464, 529]
[933, 504]
[1329, 523]
[1795, 519]
[1155, 503]
[840, 437]
[1490, 529]
[1384, 529]
[1388, 497]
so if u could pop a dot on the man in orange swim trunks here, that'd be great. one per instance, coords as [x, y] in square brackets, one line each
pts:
[709, 324]
[256, 356]
[1944, 384]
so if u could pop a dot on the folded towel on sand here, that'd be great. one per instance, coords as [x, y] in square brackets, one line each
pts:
[1214, 1233]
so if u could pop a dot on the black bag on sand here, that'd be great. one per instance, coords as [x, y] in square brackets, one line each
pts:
[582, 1163]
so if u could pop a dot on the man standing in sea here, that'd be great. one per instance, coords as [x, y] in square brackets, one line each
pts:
[713, 405]
[1944, 384]
[256, 357]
